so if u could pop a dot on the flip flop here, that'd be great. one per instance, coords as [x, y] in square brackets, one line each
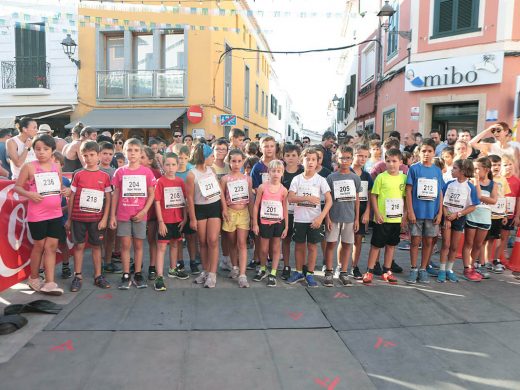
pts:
[38, 306]
[10, 324]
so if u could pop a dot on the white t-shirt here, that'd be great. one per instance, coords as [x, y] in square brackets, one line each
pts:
[497, 150]
[315, 186]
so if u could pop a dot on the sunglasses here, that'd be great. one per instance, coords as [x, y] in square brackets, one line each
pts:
[119, 142]
[177, 135]
[496, 131]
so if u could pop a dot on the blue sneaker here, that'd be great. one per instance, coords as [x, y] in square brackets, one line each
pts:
[451, 276]
[441, 277]
[412, 278]
[423, 276]
[432, 271]
[434, 264]
[295, 278]
[310, 281]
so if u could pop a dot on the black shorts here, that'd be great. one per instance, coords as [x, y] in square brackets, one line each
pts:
[79, 232]
[186, 229]
[494, 231]
[510, 225]
[272, 230]
[304, 233]
[386, 234]
[173, 233]
[458, 224]
[290, 227]
[52, 228]
[207, 211]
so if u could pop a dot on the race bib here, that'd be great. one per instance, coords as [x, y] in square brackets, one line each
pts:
[484, 205]
[271, 210]
[91, 201]
[363, 196]
[344, 190]
[499, 208]
[173, 198]
[265, 177]
[308, 191]
[394, 208]
[134, 186]
[290, 208]
[426, 189]
[456, 197]
[510, 206]
[47, 183]
[238, 191]
[209, 187]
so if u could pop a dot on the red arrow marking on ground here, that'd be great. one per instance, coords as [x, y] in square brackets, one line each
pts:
[382, 343]
[340, 295]
[295, 315]
[326, 383]
[105, 296]
[66, 345]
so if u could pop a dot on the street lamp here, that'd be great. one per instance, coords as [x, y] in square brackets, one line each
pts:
[69, 48]
[388, 11]
[335, 100]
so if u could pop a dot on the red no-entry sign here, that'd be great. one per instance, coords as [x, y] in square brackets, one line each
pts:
[195, 114]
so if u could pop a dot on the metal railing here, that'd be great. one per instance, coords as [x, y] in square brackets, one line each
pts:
[25, 74]
[140, 84]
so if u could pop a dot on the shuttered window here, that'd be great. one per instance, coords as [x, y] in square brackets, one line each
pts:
[453, 17]
[30, 55]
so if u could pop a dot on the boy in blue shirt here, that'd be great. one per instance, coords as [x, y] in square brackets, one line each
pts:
[423, 199]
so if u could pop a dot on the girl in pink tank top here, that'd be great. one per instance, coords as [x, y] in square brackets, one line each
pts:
[237, 188]
[40, 182]
[271, 203]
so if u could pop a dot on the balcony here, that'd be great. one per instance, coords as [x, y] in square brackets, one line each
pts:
[140, 84]
[25, 74]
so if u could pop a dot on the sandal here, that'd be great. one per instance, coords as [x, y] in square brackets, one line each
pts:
[51, 288]
[11, 323]
[38, 306]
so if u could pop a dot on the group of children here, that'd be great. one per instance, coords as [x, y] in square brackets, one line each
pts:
[216, 195]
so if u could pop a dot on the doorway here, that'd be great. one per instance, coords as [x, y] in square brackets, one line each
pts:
[455, 116]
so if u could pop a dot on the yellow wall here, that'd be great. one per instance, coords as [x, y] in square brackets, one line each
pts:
[204, 49]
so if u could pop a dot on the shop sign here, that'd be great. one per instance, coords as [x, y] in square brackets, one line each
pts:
[478, 69]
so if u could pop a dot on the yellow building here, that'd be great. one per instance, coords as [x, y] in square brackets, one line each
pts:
[144, 65]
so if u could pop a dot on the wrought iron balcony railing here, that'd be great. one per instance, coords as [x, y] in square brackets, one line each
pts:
[26, 74]
[140, 84]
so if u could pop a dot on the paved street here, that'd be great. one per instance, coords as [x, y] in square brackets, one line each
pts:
[450, 336]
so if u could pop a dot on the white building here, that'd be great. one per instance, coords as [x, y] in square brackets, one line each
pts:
[37, 78]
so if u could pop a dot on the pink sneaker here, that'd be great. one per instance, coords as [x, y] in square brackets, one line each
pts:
[51, 288]
[471, 275]
[35, 284]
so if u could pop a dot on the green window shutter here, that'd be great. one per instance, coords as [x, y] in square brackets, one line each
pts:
[445, 16]
[353, 90]
[464, 14]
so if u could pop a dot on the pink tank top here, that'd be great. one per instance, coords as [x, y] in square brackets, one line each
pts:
[46, 183]
[271, 206]
[237, 191]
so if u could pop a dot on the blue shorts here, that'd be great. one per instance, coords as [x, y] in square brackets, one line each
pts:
[476, 225]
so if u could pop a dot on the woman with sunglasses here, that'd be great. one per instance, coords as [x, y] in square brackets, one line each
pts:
[502, 134]
[119, 140]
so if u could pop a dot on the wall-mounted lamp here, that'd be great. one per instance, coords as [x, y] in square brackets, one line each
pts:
[69, 48]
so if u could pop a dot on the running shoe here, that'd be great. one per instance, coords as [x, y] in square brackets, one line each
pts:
[295, 278]
[271, 281]
[112, 268]
[152, 273]
[431, 270]
[178, 273]
[378, 271]
[101, 282]
[471, 275]
[424, 277]
[125, 283]
[441, 276]
[139, 281]
[75, 285]
[356, 273]
[211, 280]
[194, 268]
[497, 267]
[389, 277]
[201, 278]
[260, 275]
[328, 280]
[367, 278]
[434, 264]
[242, 281]
[159, 284]
[345, 280]
[66, 272]
[35, 284]
[482, 271]
[310, 281]
[51, 288]
[412, 277]
[396, 268]
[234, 273]
[404, 245]
[286, 273]
[225, 264]
[451, 276]
[252, 265]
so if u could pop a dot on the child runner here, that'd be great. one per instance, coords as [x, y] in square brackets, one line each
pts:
[360, 158]
[447, 155]
[478, 222]
[424, 200]
[375, 154]
[236, 138]
[343, 217]
[170, 206]
[387, 199]
[89, 207]
[271, 206]
[291, 158]
[133, 196]
[44, 215]
[237, 188]
[460, 199]
[305, 191]
[205, 204]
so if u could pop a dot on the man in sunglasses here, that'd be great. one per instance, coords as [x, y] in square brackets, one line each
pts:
[306, 141]
[177, 137]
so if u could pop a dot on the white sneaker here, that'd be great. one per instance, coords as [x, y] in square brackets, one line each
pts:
[234, 273]
[242, 281]
[201, 278]
[51, 288]
[211, 280]
[225, 264]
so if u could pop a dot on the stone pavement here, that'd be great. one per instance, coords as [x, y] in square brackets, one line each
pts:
[450, 336]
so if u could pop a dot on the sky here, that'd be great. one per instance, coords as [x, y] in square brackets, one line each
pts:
[310, 79]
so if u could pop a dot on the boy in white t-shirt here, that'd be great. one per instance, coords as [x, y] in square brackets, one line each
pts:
[305, 191]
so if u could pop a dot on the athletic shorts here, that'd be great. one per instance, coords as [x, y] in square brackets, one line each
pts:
[495, 229]
[52, 228]
[386, 234]
[457, 225]
[238, 219]
[424, 228]
[186, 229]
[173, 233]
[510, 225]
[207, 211]
[476, 225]
[79, 231]
[131, 229]
[344, 231]
[304, 233]
[271, 230]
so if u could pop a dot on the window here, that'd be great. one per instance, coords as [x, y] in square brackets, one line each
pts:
[368, 63]
[246, 92]
[266, 103]
[274, 105]
[392, 35]
[279, 112]
[453, 17]
[256, 98]
[30, 56]
[115, 53]
[143, 52]
[263, 103]
[227, 78]
[172, 51]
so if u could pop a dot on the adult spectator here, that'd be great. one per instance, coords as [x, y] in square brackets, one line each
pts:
[409, 143]
[5, 134]
[188, 140]
[327, 140]
[418, 138]
[465, 135]
[503, 145]
[348, 140]
[435, 135]
[451, 138]
[44, 128]
[306, 141]
[73, 158]
[374, 136]
[89, 133]
[177, 137]
[19, 148]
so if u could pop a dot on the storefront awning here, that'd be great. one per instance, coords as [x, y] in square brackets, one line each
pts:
[9, 113]
[130, 118]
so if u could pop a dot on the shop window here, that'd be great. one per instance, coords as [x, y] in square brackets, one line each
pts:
[454, 17]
